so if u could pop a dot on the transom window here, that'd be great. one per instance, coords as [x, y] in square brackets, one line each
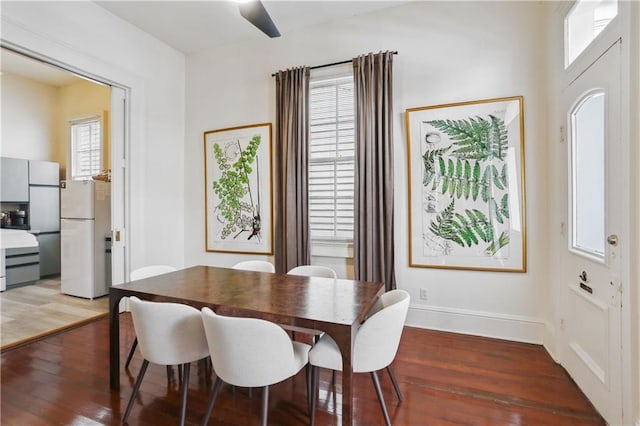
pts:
[86, 148]
[331, 159]
[585, 20]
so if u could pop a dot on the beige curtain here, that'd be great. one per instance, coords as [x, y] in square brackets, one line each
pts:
[292, 243]
[373, 227]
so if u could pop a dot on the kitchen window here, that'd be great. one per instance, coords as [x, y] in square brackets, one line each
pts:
[331, 160]
[86, 147]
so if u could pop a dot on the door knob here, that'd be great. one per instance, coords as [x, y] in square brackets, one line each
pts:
[612, 239]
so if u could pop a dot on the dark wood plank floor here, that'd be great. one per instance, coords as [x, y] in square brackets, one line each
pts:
[446, 379]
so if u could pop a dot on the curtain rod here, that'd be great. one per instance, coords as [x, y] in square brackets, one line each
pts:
[333, 63]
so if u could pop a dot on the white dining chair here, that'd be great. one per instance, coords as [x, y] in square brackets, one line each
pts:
[309, 271]
[250, 352]
[168, 334]
[255, 265]
[139, 274]
[313, 271]
[374, 348]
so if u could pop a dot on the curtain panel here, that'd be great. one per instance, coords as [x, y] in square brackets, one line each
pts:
[373, 242]
[292, 242]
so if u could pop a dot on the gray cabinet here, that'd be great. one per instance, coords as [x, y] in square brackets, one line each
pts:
[44, 173]
[49, 254]
[44, 208]
[15, 180]
[44, 213]
[22, 266]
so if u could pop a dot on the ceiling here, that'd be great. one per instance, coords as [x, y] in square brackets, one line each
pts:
[14, 63]
[193, 26]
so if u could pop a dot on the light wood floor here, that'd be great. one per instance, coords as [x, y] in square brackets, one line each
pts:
[39, 309]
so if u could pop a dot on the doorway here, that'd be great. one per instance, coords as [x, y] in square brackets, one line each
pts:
[591, 341]
[53, 82]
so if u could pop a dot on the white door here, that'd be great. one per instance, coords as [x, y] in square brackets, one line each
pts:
[118, 184]
[590, 347]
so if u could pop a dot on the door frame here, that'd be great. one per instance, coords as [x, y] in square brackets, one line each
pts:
[618, 29]
[119, 270]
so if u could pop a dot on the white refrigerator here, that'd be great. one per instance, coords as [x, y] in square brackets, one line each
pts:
[85, 221]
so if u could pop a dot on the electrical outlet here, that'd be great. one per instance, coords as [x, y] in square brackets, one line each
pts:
[423, 294]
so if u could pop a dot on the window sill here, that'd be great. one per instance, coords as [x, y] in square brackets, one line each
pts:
[332, 249]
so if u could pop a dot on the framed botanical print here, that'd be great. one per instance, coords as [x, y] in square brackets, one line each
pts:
[238, 190]
[466, 185]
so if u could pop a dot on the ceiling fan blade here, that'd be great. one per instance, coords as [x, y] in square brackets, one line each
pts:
[255, 13]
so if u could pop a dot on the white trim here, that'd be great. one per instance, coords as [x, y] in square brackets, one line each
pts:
[518, 328]
[549, 340]
[331, 249]
[588, 361]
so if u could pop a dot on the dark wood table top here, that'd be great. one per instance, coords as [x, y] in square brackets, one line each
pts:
[288, 299]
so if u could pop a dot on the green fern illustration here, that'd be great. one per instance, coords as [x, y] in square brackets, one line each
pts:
[444, 225]
[237, 214]
[476, 138]
[463, 179]
[429, 161]
[467, 230]
[501, 211]
[502, 241]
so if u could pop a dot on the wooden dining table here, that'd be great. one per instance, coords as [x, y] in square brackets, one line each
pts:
[335, 306]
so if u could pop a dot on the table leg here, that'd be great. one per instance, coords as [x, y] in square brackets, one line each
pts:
[344, 339]
[114, 340]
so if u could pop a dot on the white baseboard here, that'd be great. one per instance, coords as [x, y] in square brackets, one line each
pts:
[549, 340]
[488, 324]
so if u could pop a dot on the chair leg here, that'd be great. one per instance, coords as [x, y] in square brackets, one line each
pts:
[131, 351]
[265, 404]
[169, 373]
[185, 387]
[376, 384]
[214, 394]
[136, 387]
[395, 382]
[308, 377]
[314, 393]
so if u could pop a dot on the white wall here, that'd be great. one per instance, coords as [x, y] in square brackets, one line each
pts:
[448, 52]
[86, 37]
[28, 119]
[77, 100]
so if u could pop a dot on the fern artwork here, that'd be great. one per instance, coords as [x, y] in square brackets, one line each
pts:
[466, 204]
[238, 192]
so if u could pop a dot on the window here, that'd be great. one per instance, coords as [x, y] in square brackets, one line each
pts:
[584, 22]
[331, 159]
[86, 148]
[588, 175]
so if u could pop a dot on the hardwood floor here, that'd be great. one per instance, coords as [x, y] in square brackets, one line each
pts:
[36, 310]
[446, 379]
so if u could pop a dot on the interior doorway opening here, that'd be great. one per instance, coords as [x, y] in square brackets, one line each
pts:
[46, 98]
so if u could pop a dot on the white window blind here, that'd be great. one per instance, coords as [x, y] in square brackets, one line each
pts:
[331, 159]
[86, 143]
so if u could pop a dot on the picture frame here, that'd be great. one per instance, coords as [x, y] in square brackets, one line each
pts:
[466, 182]
[238, 189]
